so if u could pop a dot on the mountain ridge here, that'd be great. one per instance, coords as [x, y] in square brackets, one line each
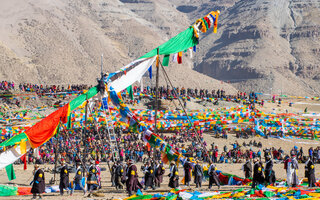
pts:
[261, 45]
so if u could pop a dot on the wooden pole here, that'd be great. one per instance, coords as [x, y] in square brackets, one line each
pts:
[55, 161]
[157, 85]
[83, 137]
[56, 157]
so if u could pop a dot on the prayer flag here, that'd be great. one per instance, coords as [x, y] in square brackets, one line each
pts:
[190, 51]
[165, 61]
[23, 147]
[105, 102]
[10, 172]
[24, 160]
[195, 48]
[129, 89]
[175, 57]
[179, 58]
[46, 128]
[150, 72]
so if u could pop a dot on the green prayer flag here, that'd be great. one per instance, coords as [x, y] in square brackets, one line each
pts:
[130, 91]
[180, 42]
[269, 193]
[171, 197]
[10, 172]
[8, 191]
[58, 130]
[165, 61]
[147, 196]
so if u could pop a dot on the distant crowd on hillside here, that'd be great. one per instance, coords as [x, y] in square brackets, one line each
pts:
[214, 96]
[40, 89]
[163, 92]
[168, 92]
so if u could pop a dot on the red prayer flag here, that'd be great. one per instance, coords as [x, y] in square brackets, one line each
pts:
[46, 128]
[24, 160]
[179, 57]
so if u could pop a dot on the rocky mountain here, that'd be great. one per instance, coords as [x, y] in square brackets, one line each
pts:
[265, 45]
[262, 45]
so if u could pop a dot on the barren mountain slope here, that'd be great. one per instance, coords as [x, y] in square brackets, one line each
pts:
[60, 42]
[264, 45]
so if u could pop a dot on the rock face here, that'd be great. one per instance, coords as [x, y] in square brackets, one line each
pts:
[262, 45]
[265, 45]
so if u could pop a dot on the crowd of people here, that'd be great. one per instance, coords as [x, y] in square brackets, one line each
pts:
[6, 85]
[164, 92]
[85, 149]
[41, 89]
[172, 93]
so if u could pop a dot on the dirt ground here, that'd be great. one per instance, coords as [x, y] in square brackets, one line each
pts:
[25, 177]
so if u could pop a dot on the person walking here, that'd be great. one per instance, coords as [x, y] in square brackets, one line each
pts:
[198, 174]
[292, 167]
[310, 173]
[119, 172]
[132, 182]
[92, 179]
[257, 173]
[98, 173]
[38, 183]
[247, 168]
[77, 180]
[113, 172]
[187, 172]
[149, 176]
[269, 173]
[174, 176]
[160, 170]
[64, 178]
[213, 176]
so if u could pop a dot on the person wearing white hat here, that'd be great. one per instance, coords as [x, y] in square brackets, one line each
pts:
[292, 171]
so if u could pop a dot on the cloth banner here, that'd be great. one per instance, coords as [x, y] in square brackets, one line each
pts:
[132, 73]
[46, 128]
[10, 172]
[150, 72]
[165, 61]
[130, 91]
[10, 156]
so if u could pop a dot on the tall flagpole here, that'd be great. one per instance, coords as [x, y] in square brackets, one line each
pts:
[157, 85]
[101, 66]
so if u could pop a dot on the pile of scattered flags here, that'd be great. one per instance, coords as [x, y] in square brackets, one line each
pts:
[261, 193]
